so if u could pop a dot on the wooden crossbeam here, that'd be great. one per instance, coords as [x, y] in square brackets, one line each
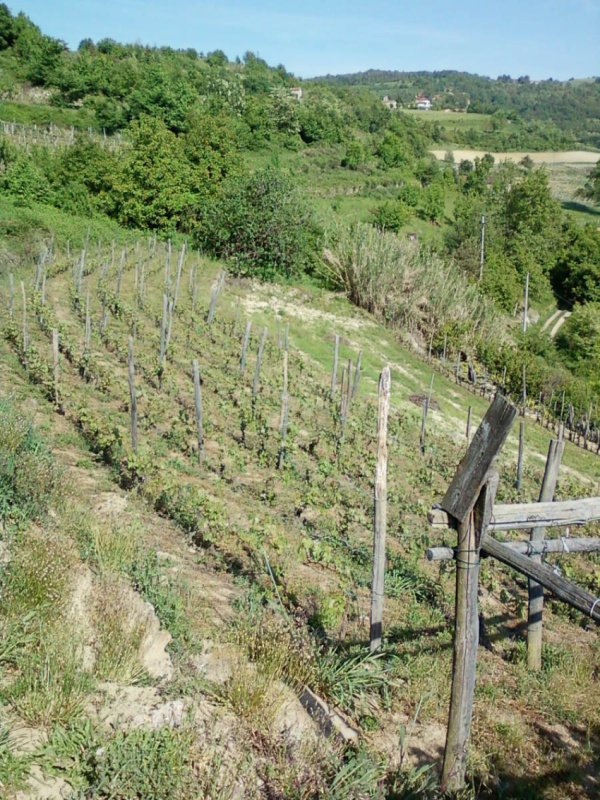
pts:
[563, 589]
[562, 546]
[523, 516]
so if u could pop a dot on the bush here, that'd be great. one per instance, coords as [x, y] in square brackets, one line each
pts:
[261, 224]
[391, 216]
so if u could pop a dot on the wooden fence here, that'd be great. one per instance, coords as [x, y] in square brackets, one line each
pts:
[469, 508]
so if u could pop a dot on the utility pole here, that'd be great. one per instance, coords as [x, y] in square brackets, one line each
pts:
[525, 303]
[482, 247]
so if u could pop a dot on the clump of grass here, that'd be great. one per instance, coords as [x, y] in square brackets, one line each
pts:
[39, 575]
[50, 686]
[29, 478]
[281, 650]
[13, 768]
[117, 641]
[155, 765]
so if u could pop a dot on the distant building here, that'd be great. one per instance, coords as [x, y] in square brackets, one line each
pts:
[296, 93]
[422, 103]
[389, 103]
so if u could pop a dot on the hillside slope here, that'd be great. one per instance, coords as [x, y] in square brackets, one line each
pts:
[261, 548]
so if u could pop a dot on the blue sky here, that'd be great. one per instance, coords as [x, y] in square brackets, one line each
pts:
[539, 38]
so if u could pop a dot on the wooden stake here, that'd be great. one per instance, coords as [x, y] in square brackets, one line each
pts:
[468, 431]
[25, 328]
[132, 396]
[55, 366]
[380, 513]
[356, 382]
[178, 278]
[334, 371]
[519, 479]
[536, 592]
[163, 333]
[216, 291]
[198, 409]
[256, 381]
[88, 325]
[423, 426]
[283, 420]
[11, 295]
[466, 637]
[245, 347]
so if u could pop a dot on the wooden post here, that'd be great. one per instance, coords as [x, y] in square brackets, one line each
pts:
[380, 513]
[216, 291]
[524, 391]
[178, 277]
[11, 295]
[256, 381]
[194, 289]
[425, 409]
[283, 420]
[120, 272]
[519, 479]
[245, 347]
[167, 288]
[25, 328]
[87, 340]
[334, 370]
[55, 367]
[356, 381]
[163, 333]
[132, 396]
[535, 591]
[198, 409]
[468, 431]
[469, 501]
[466, 637]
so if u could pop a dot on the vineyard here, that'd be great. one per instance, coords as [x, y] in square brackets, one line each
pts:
[247, 416]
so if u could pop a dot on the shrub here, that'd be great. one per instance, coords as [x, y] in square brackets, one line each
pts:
[261, 224]
[391, 216]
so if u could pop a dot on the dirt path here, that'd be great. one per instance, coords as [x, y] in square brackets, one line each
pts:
[565, 157]
[564, 316]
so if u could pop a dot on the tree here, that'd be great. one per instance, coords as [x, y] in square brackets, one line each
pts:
[153, 187]
[262, 225]
[579, 339]
[576, 273]
[391, 216]
[591, 190]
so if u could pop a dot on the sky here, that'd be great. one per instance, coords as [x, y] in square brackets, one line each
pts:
[539, 38]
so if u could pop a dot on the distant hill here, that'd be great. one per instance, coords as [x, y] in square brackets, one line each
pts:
[574, 105]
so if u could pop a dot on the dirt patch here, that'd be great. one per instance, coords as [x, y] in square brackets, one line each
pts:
[564, 157]
[419, 399]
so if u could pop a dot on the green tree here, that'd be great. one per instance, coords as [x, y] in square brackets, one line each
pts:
[591, 190]
[391, 216]
[261, 224]
[579, 340]
[153, 186]
[576, 273]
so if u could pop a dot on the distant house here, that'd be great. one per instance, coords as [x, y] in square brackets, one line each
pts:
[389, 103]
[422, 103]
[296, 93]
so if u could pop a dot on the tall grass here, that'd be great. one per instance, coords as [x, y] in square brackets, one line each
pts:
[407, 286]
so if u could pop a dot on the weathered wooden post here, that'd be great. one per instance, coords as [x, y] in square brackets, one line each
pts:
[178, 276]
[163, 334]
[87, 339]
[25, 328]
[132, 395]
[535, 591]
[256, 381]
[55, 367]
[245, 347]
[380, 513]
[334, 370]
[11, 295]
[469, 502]
[283, 419]
[214, 296]
[425, 409]
[468, 431]
[356, 381]
[524, 391]
[520, 456]
[198, 409]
